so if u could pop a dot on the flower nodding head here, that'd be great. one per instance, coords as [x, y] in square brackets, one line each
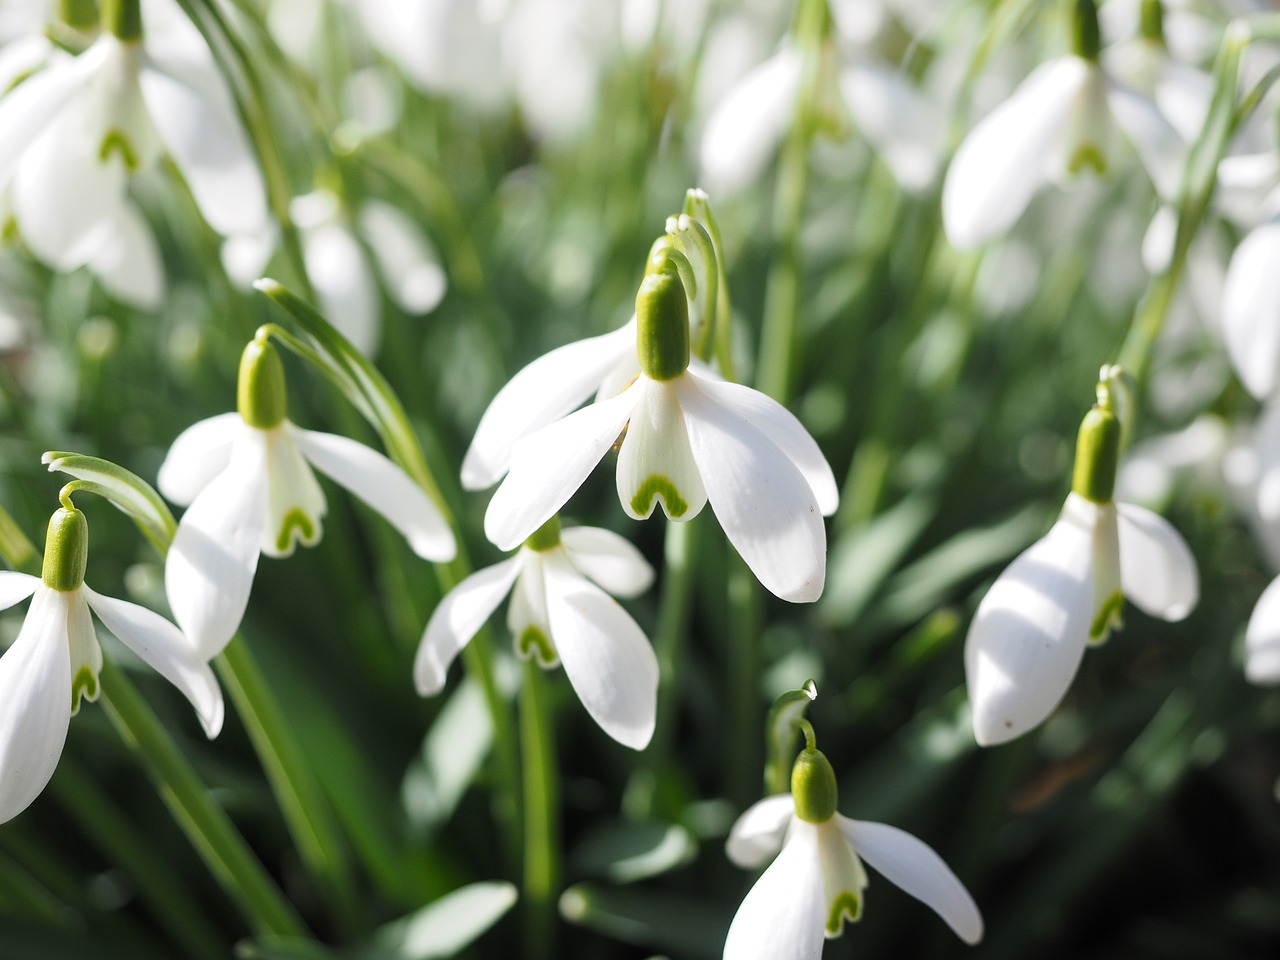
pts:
[123, 18]
[813, 784]
[260, 393]
[66, 550]
[662, 315]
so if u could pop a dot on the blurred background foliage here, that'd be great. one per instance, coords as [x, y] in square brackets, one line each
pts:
[1140, 822]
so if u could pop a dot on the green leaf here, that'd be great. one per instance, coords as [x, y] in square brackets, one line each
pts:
[624, 851]
[680, 923]
[443, 928]
[780, 733]
[126, 490]
[282, 948]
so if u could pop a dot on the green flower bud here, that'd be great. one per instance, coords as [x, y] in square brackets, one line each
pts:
[1086, 38]
[123, 18]
[260, 394]
[66, 550]
[1097, 456]
[813, 786]
[79, 15]
[546, 536]
[662, 315]
[1152, 23]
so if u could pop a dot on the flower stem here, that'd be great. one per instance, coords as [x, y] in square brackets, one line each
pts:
[216, 839]
[541, 816]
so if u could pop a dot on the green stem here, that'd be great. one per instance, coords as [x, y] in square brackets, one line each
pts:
[541, 815]
[679, 563]
[216, 839]
[746, 713]
[303, 803]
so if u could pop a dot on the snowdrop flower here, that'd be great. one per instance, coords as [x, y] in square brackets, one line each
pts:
[559, 615]
[72, 134]
[1262, 638]
[685, 440]
[1067, 591]
[816, 882]
[1060, 122]
[53, 665]
[247, 481]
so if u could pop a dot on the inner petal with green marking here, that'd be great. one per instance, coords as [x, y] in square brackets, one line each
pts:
[85, 653]
[843, 878]
[655, 464]
[295, 502]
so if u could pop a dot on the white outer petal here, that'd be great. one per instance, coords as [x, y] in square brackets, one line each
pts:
[128, 263]
[1262, 638]
[343, 280]
[612, 561]
[35, 701]
[1158, 145]
[746, 127]
[541, 393]
[1029, 634]
[209, 571]
[904, 127]
[1009, 154]
[196, 119]
[1157, 571]
[457, 618]
[410, 265]
[606, 656]
[913, 865]
[196, 456]
[782, 427]
[162, 647]
[758, 834]
[764, 504]
[384, 487]
[548, 467]
[1251, 310]
[16, 587]
[784, 914]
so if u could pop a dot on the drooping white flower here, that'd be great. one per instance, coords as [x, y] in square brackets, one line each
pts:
[1067, 590]
[816, 883]
[1064, 119]
[686, 440]
[73, 133]
[54, 663]
[247, 478]
[559, 615]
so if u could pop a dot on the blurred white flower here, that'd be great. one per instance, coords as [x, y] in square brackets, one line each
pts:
[54, 663]
[247, 482]
[815, 884]
[558, 615]
[1262, 638]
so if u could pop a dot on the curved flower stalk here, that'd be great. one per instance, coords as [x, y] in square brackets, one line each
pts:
[54, 663]
[1067, 591]
[560, 614]
[247, 481]
[1063, 120]
[73, 134]
[816, 883]
[339, 269]
[685, 440]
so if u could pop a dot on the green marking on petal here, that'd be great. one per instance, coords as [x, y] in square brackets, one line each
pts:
[295, 519]
[659, 486]
[10, 230]
[532, 642]
[83, 684]
[116, 142]
[1108, 618]
[1088, 156]
[847, 906]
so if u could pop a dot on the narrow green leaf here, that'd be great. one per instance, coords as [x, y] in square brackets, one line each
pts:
[624, 851]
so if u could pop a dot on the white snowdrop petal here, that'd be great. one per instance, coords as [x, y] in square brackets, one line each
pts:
[782, 427]
[548, 466]
[541, 393]
[763, 502]
[128, 263]
[605, 654]
[527, 619]
[16, 587]
[295, 503]
[783, 915]
[757, 835]
[655, 464]
[902, 125]
[209, 570]
[610, 560]
[913, 865]
[456, 619]
[1029, 634]
[746, 127]
[1008, 155]
[1251, 310]
[1161, 150]
[35, 701]
[162, 647]
[382, 485]
[1157, 571]
[1262, 638]
[343, 280]
[200, 453]
[196, 120]
[408, 262]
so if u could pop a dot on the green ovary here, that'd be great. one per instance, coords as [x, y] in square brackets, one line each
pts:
[846, 907]
[653, 488]
[532, 642]
[83, 685]
[295, 519]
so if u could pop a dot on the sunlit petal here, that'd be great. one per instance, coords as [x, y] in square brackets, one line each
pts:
[16, 587]
[1157, 570]
[456, 619]
[757, 835]
[343, 280]
[783, 916]
[1251, 310]
[610, 560]
[200, 453]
